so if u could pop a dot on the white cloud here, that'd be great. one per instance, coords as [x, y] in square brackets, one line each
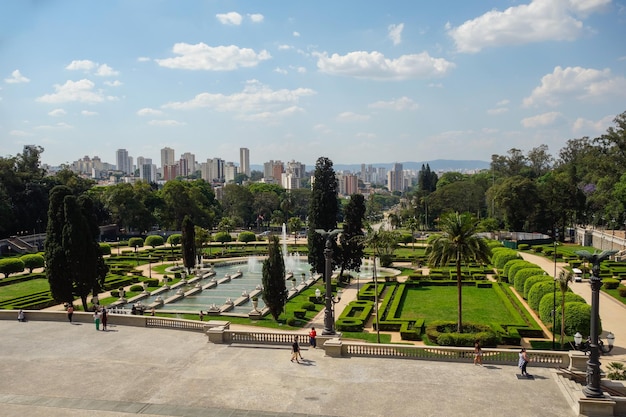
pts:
[149, 112]
[541, 120]
[220, 58]
[256, 17]
[271, 116]
[81, 65]
[20, 133]
[402, 103]
[284, 47]
[575, 83]
[57, 126]
[497, 110]
[166, 123]
[230, 18]
[301, 70]
[538, 21]
[115, 83]
[374, 65]
[503, 102]
[280, 70]
[16, 78]
[255, 98]
[296, 34]
[591, 127]
[81, 91]
[143, 59]
[395, 33]
[106, 71]
[349, 116]
[57, 113]
[89, 113]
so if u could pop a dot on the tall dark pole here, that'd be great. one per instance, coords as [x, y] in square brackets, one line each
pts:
[329, 320]
[556, 236]
[592, 389]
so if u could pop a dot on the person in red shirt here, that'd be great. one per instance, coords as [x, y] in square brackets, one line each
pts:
[312, 335]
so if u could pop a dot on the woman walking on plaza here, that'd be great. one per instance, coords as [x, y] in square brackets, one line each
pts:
[523, 361]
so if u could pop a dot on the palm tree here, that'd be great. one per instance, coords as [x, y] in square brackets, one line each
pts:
[412, 225]
[457, 242]
[563, 280]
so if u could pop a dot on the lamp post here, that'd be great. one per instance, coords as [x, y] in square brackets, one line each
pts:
[556, 237]
[592, 389]
[329, 320]
[150, 266]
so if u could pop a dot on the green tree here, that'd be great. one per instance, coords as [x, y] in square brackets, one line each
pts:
[188, 244]
[295, 224]
[237, 203]
[563, 281]
[10, 266]
[457, 243]
[202, 236]
[351, 238]
[154, 241]
[32, 261]
[74, 263]
[135, 242]
[412, 225]
[274, 289]
[246, 237]
[323, 212]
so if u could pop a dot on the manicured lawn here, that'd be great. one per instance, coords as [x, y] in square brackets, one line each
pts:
[480, 305]
[23, 288]
[615, 294]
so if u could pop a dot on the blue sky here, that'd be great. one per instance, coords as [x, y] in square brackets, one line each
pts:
[355, 81]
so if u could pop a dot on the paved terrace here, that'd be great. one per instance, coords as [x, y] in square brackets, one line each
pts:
[59, 369]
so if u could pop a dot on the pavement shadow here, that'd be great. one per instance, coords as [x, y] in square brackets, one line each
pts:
[307, 362]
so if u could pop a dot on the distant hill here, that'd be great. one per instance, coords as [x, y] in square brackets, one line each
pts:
[435, 165]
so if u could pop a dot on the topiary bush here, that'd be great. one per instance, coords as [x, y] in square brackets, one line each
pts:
[545, 305]
[136, 288]
[32, 261]
[154, 241]
[135, 242]
[10, 266]
[503, 255]
[223, 237]
[105, 249]
[533, 280]
[621, 291]
[610, 283]
[309, 306]
[246, 237]
[520, 276]
[444, 333]
[578, 319]
[538, 291]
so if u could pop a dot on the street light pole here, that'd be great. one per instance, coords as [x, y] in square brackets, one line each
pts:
[592, 389]
[556, 237]
[150, 267]
[329, 320]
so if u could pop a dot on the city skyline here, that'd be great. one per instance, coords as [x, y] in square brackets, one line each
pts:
[296, 81]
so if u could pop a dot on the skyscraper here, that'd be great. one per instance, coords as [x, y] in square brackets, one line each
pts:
[124, 164]
[167, 157]
[244, 161]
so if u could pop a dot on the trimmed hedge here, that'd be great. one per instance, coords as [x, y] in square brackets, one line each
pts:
[444, 334]
[545, 305]
[610, 283]
[538, 291]
[578, 319]
[532, 281]
[521, 275]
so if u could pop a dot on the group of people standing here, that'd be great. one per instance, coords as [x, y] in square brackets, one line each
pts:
[101, 315]
[295, 346]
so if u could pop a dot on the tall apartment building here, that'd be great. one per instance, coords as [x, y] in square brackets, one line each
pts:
[230, 172]
[213, 170]
[395, 178]
[189, 166]
[167, 157]
[170, 172]
[147, 170]
[244, 161]
[92, 167]
[272, 171]
[124, 162]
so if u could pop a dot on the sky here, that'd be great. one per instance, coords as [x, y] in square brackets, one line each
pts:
[353, 81]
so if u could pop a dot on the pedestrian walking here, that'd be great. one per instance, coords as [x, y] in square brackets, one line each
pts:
[20, 316]
[201, 315]
[96, 319]
[523, 362]
[105, 318]
[295, 350]
[312, 337]
[70, 312]
[478, 354]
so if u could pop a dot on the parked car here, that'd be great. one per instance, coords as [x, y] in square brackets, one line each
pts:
[578, 274]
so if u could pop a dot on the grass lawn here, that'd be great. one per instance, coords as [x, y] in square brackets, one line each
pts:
[480, 305]
[615, 294]
[23, 288]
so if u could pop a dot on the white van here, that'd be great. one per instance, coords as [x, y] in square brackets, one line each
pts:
[578, 274]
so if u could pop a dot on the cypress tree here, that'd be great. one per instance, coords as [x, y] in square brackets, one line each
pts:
[274, 288]
[323, 212]
[188, 243]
